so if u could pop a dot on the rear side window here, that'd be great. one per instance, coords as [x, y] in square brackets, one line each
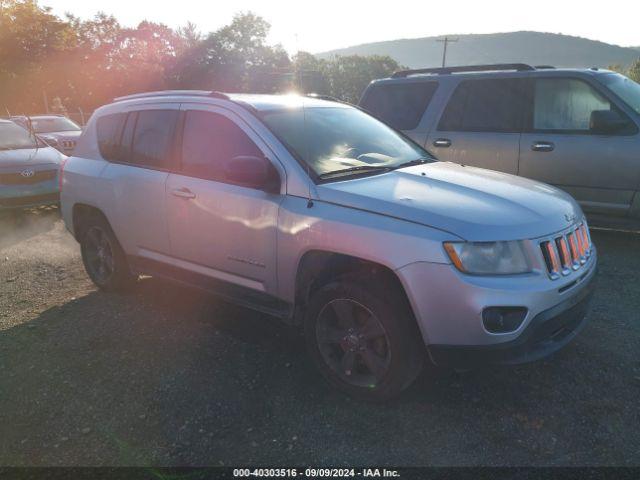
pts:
[152, 138]
[211, 140]
[487, 105]
[400, 105]
[109, 130]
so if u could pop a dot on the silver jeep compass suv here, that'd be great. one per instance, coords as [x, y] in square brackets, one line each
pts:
[315, 212]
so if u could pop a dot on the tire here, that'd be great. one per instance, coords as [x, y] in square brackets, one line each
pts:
[104, 260]
[381, 352]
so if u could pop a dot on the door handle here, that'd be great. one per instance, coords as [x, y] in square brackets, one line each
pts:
[183, 193]
[542, 146]
[442, 143]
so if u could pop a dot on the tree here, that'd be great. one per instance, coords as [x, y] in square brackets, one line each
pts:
[234, 58]
[348, 76]
[32, 39]
[634, 71]
[85, 63]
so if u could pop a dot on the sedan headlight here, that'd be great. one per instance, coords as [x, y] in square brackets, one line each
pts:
[489, 258]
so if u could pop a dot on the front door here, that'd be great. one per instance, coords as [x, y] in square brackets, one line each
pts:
[219, 229]
[558, 147]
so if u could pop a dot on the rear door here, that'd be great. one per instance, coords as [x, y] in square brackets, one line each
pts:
[481, 124]
[558, 147]
[137, 173]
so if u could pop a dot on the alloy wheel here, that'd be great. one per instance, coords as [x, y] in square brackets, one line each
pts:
[99, 254]
[353, 343]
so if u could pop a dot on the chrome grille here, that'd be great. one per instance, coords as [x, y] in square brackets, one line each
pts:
[68, 143]
[567, 252]
[19, 179]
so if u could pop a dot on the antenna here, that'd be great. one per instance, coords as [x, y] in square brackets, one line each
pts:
[32, 133]
[29, 125]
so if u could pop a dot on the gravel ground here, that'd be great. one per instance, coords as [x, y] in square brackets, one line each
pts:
[165, 376]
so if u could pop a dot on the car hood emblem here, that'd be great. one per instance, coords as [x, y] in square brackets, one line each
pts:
[27, 173]
[570, 217]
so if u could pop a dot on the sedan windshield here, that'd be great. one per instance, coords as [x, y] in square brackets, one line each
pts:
[625, 88]
[53, 124]
[13, 137]
[337, 141]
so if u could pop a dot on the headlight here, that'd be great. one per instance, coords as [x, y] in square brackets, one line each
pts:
[489, 258]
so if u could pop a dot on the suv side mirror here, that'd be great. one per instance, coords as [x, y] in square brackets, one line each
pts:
[253, 172]
[606, 122]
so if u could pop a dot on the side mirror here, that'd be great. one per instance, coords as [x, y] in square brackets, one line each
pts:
[607, 122]
[253, 172]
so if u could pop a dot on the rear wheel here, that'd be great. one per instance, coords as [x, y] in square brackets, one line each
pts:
[103, 258]
[363, 338]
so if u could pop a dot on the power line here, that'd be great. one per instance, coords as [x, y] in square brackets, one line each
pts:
[446, 41]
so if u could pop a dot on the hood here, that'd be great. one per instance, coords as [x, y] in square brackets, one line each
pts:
[29, 157]
[472, 203]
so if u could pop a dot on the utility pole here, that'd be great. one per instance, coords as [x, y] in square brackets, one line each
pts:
[446, 41]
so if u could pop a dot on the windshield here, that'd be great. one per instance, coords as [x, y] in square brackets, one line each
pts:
[13, 137]
[53, 124]
[625, 88]
[331, 140]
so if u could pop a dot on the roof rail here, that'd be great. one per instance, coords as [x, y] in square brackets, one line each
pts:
[321, 96]
[519, 67]
[544, 67]
[169, 93]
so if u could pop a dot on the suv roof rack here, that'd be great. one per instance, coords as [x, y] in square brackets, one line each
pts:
[168, 93]
[38, 115]
[519, 67]
[321, 96]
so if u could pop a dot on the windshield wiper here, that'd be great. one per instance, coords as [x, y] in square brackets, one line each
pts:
[357, 169]
[411, 163]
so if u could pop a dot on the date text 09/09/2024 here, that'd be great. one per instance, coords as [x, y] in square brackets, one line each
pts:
[316, 472]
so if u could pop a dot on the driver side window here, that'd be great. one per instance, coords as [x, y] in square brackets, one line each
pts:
[209, 142]
[565, 105]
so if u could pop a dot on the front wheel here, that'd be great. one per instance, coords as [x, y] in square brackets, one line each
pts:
[103, 258]
[363, 339]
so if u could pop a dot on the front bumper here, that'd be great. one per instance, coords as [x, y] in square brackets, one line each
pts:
[31, 201]
[546, 333]
[448, 307]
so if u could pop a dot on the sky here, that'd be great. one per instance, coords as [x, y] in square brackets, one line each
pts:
[330, 24]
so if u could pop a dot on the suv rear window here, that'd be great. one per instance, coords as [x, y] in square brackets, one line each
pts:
[141, 138]
[109, 129]
[487, 105]
[152, 138]
[400, 105]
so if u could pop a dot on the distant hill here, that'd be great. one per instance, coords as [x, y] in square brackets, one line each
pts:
[534, 48]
